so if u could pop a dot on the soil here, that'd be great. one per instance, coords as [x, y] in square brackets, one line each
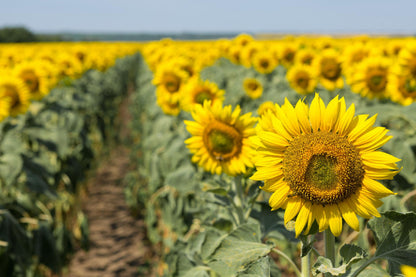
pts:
[118, 243]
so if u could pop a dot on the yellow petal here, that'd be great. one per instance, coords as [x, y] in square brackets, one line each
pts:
[346, 121]
[292, 209]
[302, 115]
[279, 197]
[376, 187]
[302, 218]
[271, 185]
[264, 173]
[330, 115]
[362, 126]
[335, 220]
[272, 140]
[349, 215]
[315, 112]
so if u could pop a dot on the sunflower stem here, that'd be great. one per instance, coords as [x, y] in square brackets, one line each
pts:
[239, 200]
[306, 262]
[329, 248]
[283, 255]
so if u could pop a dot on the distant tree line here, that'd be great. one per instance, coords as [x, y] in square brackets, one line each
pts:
[21, 34]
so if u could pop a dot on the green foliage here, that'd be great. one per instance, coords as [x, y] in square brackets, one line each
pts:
[16, 34]
[395, 235]
[222, 226]
[45, 155]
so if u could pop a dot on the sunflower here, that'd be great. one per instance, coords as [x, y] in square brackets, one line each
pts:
[169, 80]
[302, 78]
[322, 163]
[328, 66]
[351, 56]
[288, 53]
[370, 78]
[248, 52]
[407, 58]
[234, 54]
[253, 88]
[15, 90]
[35, 78]
[68, 65]
[197, 91]
[264, 107]
[220, 139]
[243, 39]
[402, 87]
[305, 56]
[264, 61]
[168, 107]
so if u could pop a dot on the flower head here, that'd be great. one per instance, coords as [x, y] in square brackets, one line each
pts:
[322, 163]
[220, 138]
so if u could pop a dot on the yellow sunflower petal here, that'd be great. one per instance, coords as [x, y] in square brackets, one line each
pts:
[315, 112]
[279, 197]
[292, 209]
[335, 220]
[302, 218]
[349, 215]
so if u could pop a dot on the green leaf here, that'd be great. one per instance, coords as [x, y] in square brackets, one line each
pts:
[19, 247]
[350, 254]
[10, 167]
[45, 248]
[306, 246]
[259, 268]
[395, 236]
[239, 250]
[197, 271]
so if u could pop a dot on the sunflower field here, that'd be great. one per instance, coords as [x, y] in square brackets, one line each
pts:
[286, 156]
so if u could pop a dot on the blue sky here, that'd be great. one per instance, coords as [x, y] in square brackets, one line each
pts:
[261, 16]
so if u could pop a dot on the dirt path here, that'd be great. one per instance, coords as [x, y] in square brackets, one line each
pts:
[118, 244]
[117, 240]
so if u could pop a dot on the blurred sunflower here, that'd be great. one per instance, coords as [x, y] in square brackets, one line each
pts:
[321, 164]
[243, 39]
[328, 66]
[287, 54]
[35, 78]
[264, 107]
[351, 56]
[234, 54]
[168, 107]
[305, 56]
[302, 78]
[401, 87]
[197, 91]
[253, 88]
[370, 78]
[68, 65]
[264, 62]
[220, 139]
[407, 58]
[15, 90]
[169, 80]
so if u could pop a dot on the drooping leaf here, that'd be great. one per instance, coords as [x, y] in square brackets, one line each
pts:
[395, 236]
[239, 250]
[350, 254]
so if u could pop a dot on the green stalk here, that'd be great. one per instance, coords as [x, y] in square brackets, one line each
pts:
[239, 199]
[329, 248]
[306, 262]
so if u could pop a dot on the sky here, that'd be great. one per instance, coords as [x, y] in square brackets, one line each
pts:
[208, 16]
